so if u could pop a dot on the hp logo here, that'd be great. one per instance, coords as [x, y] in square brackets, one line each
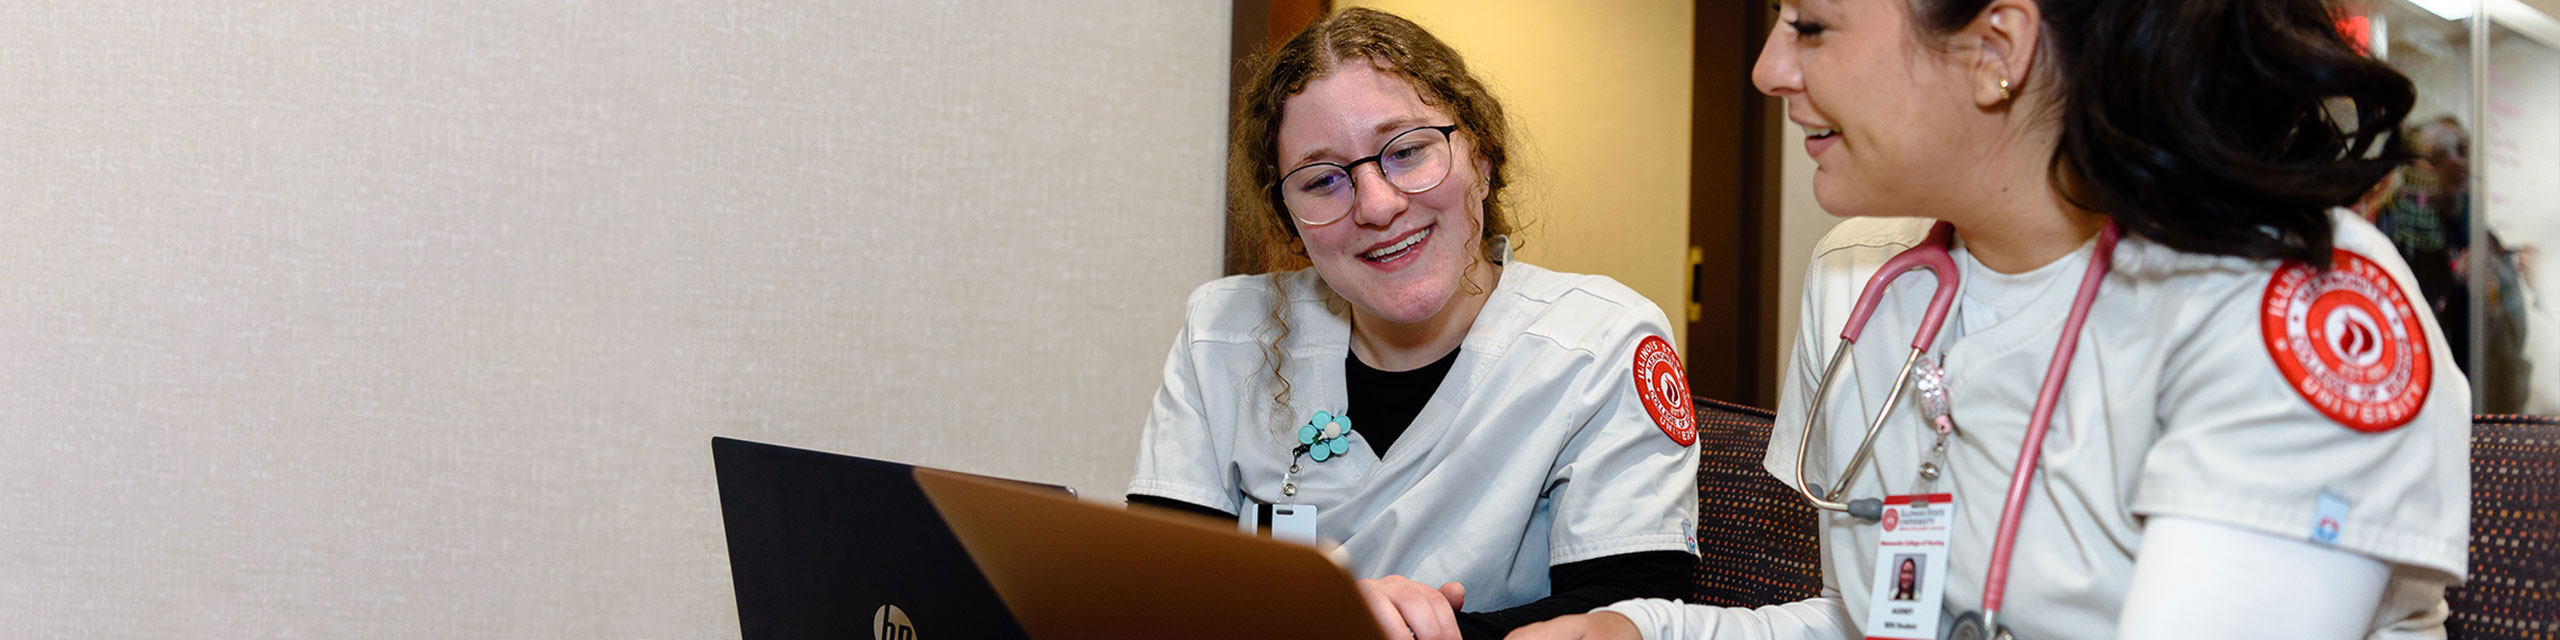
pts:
[889, 623]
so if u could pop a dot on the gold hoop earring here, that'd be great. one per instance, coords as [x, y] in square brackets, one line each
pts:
[2004, 89]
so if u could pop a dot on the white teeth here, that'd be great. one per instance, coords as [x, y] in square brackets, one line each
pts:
[1381, 254]
[1820, 132]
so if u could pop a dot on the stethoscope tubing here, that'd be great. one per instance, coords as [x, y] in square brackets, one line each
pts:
[1930, 255]
[1829, 499]
[1995, 583]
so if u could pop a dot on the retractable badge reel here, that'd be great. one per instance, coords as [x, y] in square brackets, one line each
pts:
[1324, 437]
[1909, 595]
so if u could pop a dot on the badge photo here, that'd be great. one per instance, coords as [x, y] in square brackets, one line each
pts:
[1909, 582]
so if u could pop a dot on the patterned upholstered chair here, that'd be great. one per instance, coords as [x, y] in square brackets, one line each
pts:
[1756, 544]
[1755, 536]
[2514, 590]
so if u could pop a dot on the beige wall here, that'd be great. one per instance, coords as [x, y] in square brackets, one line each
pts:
[1801, 224]
[413, 319]
[1600, 92]
[2547, 7]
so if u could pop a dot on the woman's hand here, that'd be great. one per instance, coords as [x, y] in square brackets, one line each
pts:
[1589, 626]
[1408, 609]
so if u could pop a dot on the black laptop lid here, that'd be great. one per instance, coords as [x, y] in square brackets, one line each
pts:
[832, 546]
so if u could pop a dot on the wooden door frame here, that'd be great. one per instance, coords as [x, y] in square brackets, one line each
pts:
[1733, 211]
[1261, 26]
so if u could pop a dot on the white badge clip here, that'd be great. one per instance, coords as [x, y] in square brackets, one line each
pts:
[1290, 522]
[1911, 567]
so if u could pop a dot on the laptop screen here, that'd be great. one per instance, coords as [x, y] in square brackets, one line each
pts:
[832, 546]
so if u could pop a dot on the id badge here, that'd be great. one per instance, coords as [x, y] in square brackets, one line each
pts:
[1291, 522]
[1911, 567]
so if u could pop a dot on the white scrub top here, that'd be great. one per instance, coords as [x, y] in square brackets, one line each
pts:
[1537, 449]
[2175, 406]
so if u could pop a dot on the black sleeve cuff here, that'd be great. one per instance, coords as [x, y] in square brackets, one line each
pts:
[1586, 585]
[1136, 500]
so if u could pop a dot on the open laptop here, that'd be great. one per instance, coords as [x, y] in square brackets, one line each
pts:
[1072, 569]
[833, 546]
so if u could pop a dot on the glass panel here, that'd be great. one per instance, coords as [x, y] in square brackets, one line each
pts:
[2425, 208]
[2517, 328]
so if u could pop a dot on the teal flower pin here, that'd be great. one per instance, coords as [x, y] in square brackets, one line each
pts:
[1325, 436]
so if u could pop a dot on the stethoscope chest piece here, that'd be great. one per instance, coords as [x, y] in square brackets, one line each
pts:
[1968, 626]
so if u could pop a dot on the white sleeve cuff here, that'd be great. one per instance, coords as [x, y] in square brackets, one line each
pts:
[2199, 579]
[1819, 618]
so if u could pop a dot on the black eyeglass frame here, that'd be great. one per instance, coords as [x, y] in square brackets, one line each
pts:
[1280, 204]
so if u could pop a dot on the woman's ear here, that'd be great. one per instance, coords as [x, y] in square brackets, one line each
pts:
[2008, 31]
[1484, 179]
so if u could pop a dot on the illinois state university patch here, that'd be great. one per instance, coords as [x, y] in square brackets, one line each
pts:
[1665, 391]
[2349, 340]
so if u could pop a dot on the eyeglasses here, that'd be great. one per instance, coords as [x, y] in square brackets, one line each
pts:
[1322, 193]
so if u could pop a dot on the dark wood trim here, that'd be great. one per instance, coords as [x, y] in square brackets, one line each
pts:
[1733, 221]
[1765, 180]
[1260, 26]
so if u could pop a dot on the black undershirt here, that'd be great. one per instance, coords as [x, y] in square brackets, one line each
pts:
[1383, 404]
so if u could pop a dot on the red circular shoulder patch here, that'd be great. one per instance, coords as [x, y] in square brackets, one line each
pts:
[1665, 391]
[2349, 341]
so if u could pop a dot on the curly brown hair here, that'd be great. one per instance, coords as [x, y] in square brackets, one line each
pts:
[1394, 46]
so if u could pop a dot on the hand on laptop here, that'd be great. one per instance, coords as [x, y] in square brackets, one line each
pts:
[1588, 626]
[1408, 609]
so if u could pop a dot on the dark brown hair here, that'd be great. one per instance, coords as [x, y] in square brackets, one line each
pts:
[2206, 125]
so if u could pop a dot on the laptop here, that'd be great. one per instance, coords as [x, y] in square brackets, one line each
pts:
[833, 546]
[1072, 569]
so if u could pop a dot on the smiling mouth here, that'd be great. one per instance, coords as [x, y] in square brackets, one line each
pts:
[1819, 133]
[1397, 250]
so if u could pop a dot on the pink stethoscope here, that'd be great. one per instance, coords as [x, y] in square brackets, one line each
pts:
[1931, 255]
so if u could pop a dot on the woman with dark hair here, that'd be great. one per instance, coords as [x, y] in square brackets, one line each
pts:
[1520, 438]
[1906, 579]
[2173, 390]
